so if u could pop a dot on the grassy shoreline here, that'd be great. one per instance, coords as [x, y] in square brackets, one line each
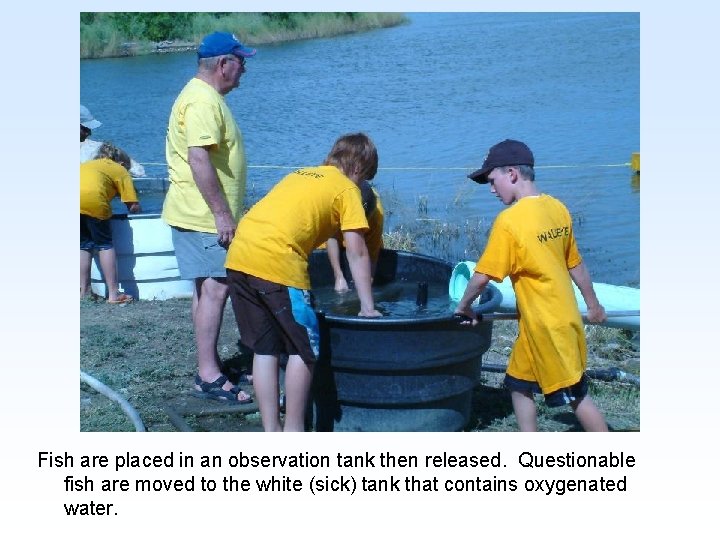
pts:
[105, 35]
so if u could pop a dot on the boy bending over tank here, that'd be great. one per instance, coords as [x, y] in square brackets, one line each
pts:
[101, 179]
[267, 268]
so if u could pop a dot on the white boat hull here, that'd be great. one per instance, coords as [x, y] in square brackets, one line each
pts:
[612, 297]
[147, 267]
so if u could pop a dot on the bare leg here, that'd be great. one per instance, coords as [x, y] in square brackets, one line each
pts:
[298, 377]
[107, 264]
[589, 415]
[267, 392]
[208, 307]
[207, 311]
[525, 411]
[85, 265]
[195, 299]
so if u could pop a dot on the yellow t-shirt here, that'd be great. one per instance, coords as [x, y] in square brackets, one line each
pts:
[274, 239]
[200, 117]
[374, 234]
[533, 243]
[100, 181]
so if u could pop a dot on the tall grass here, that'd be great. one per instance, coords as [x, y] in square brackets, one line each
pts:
[100, 39]
[109, 34]
[411, 226]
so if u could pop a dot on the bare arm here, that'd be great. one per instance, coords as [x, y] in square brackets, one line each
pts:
[475, 287]
[359, 261]
[333, 251]
[207, 182]
[581, 277]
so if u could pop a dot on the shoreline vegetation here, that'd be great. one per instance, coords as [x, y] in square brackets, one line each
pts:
[107, 35]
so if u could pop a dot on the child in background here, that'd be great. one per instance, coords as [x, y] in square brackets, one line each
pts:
[101, 179]
[375, 214]
[533, 243]
[89, 148]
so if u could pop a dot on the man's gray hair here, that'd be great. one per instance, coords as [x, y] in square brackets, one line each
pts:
[210, 63]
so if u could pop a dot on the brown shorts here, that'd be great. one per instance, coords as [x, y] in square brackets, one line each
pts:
[273, 319]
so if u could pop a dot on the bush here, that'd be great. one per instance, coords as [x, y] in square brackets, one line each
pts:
[153, 26]
[108, 34]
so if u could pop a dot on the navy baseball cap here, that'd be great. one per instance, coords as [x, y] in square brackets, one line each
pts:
[219, 43]
[503, 154]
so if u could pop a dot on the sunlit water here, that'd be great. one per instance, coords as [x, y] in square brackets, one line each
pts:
[434, 95]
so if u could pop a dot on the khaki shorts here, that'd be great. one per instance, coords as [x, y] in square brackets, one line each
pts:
[198, 254]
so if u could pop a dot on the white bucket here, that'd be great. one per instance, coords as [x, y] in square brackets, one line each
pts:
[146, 263]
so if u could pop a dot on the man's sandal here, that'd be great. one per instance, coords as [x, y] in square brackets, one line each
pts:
[215, 391]
[121, 299]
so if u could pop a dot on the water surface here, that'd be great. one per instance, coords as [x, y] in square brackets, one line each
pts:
[434, 95]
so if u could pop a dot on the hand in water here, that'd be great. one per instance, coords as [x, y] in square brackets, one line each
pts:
[341, 285]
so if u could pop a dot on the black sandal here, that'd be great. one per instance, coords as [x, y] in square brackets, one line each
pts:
[215, 391]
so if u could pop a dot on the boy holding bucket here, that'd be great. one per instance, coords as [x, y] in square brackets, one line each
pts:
[533, 243]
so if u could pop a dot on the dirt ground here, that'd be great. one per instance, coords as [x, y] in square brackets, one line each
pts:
[145, 352]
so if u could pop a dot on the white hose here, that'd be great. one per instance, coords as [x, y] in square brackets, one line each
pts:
[113, 395]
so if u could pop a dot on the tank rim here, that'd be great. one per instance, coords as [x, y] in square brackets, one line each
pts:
[485, 307]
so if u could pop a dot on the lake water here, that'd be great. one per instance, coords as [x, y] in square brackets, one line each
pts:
[434, 95]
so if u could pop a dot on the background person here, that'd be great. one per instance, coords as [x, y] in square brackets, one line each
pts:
[375, 214]
[89, 148]
[533, 242]
[268, 270]
[101, 179]
[87, 124]
[207, 170]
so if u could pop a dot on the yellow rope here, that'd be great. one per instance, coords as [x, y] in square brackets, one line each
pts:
[294, 167]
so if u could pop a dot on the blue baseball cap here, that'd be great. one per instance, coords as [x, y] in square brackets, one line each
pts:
[219, 43]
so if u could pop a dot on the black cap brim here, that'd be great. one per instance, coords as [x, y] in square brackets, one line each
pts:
[480, 176]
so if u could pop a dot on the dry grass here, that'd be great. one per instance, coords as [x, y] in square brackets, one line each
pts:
[608, 349]
[145, 351]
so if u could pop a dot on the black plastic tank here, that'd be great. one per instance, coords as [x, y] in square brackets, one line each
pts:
[397, 373]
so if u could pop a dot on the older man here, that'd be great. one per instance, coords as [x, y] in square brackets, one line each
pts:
[207, 169]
